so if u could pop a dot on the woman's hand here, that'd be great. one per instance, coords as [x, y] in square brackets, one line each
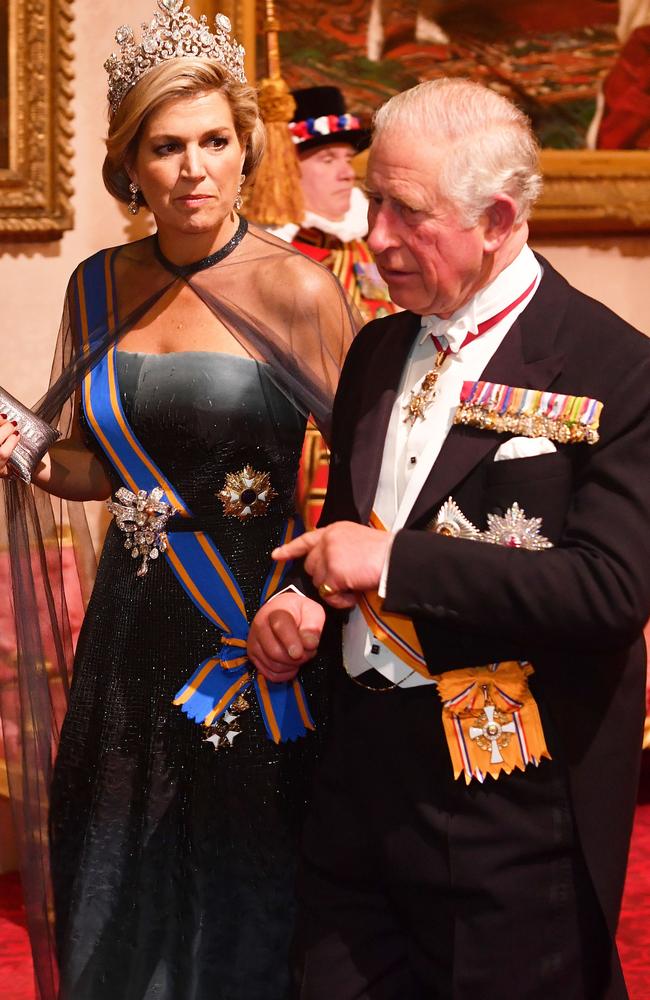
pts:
[9, 438]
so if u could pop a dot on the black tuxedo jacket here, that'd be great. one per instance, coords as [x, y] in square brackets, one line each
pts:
[576, 611]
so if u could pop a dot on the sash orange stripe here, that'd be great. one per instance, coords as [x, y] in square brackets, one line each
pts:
[203, 542]
[404, 643]
[279, 567]
[142, 455]
[376, 522]
[405, 634]
[198, 680]
[86, 385]
[270, 714]
[231, 664]
[191, 586]
[302, 704]
[227, 698]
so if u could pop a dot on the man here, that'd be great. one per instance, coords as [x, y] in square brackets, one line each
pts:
[335, 223]
[471, 824]
[332, 231]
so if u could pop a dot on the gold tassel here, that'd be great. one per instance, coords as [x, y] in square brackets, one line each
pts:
[276, 196]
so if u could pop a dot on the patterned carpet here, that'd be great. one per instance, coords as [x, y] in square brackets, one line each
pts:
[16, 978]
[634, 925]
[16, 982]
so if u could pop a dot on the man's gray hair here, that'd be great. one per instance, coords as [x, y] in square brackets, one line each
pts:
[486, 144]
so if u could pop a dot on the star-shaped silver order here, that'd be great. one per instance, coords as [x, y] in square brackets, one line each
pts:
[515, 530]
[451, 521]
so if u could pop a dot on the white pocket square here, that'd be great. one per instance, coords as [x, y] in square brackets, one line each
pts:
[524, 447]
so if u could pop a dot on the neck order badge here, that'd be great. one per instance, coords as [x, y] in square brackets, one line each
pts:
[419, 401]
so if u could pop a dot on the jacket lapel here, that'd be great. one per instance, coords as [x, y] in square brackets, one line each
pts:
[379, 387]
[527, 357]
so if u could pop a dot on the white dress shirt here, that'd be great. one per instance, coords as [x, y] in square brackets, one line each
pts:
[410, 450]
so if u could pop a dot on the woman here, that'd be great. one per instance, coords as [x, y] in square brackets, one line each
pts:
[194, 357]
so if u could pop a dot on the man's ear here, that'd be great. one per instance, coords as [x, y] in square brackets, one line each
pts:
[499, 220]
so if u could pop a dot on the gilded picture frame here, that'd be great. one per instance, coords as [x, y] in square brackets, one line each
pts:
[593, 191]
[36, 79]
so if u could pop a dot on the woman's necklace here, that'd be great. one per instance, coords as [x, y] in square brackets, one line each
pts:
[184, 270]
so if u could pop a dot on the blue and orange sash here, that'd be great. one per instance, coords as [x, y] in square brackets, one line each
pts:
[193, 557]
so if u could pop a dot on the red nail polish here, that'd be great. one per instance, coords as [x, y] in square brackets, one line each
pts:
[15, 423]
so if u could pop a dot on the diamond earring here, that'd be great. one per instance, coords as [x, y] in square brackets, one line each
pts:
[134, 204]
[238, 200]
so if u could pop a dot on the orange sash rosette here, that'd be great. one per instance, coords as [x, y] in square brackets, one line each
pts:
[491, 719]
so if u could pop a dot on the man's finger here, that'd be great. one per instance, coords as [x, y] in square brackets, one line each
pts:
[342, 599]
[299, 547]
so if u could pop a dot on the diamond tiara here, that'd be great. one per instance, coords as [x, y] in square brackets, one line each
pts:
[172, 33]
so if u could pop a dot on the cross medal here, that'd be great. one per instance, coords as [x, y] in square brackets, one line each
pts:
[493, 732]
[419, 401]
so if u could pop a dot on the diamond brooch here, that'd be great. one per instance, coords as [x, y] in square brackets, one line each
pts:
[142, 517]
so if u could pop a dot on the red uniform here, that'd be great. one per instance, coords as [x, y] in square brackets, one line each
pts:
[353, 265]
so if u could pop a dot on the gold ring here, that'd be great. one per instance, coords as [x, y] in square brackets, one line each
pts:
[325, 590]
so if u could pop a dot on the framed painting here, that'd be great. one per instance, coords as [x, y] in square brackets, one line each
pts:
[35, 118]
[554, 60]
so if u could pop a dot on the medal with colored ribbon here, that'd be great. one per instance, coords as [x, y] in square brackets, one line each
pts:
[491, 720]
[420, 400]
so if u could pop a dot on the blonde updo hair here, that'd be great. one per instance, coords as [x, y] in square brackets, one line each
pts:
[177, 78]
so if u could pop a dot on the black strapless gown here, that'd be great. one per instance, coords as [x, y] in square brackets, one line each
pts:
[173, 864]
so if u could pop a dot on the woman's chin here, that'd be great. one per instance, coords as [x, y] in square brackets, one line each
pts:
[196, 223]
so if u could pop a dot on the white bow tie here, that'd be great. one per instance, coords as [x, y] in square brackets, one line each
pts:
[450, 333]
